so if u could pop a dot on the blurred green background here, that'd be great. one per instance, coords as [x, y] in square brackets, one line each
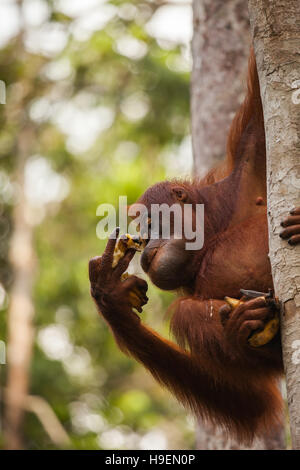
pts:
[97, 106]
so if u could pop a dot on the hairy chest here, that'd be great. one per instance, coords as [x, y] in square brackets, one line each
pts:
[236, 259]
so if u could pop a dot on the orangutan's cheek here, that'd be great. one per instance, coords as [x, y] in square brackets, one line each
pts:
[168, 268]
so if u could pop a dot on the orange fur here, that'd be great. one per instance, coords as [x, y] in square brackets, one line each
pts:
[233, 386]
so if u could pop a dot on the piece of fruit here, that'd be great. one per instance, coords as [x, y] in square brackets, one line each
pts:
[259, 338]
[124, 243]
[233, 302]
[267, 334]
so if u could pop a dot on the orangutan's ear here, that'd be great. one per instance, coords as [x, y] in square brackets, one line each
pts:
[180, 194]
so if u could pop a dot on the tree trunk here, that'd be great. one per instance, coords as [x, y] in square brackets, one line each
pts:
[276, 31]
[220, 50]
[21, 310]
[221, 45]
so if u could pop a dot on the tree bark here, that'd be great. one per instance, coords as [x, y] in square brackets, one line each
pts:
[276, 32]
[220, 50]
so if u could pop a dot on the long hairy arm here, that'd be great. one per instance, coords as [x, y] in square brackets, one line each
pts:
[205, 389]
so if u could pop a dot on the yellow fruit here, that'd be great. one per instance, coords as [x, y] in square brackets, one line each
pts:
[267, 334]
[233, 302]
[124, 243]
[261, 337]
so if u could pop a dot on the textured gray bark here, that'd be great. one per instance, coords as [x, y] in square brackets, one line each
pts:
[276, 32]
[220, 50]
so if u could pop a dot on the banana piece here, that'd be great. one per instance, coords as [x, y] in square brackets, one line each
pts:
[136, 298]
[267, 334]
[261, 337]
[124, 243]
[233, 302]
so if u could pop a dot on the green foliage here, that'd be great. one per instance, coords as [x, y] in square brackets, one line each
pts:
[91, 386]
